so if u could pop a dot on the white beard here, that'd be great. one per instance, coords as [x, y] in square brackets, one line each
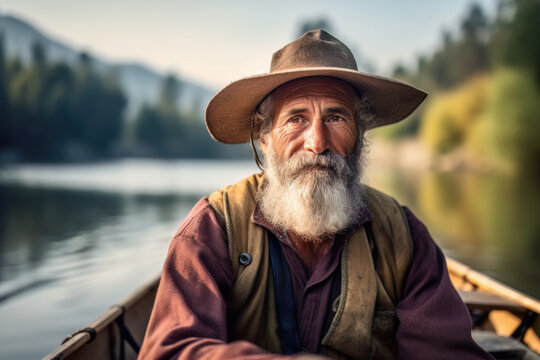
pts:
[312, 195]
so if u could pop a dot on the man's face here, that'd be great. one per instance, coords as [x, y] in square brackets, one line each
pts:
[313, 160]
[314, 115]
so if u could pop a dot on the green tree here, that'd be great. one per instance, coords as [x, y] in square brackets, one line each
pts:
[150, 129]
[170, 93]
[29, 127]
[99, 105]
[517, 39]
[42, 108]
[159, 128]
[55, 108]
[473, 48]
[5, 111]
[166, 131]
[509, 130]
[458, 58]
[39, 56]
[314, 24]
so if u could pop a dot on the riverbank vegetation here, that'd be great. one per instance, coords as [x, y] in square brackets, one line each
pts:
[483, 109]
[484, 86]
[53, 111]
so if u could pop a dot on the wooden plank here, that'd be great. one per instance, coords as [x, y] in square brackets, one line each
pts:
[488, 284]
[489, 301]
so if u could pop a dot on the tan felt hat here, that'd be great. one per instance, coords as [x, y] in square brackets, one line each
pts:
[316, 53]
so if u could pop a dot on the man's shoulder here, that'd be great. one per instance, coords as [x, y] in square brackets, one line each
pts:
[202, 216]
[252, 181]
[380, 195]
[417, 228]
[419, 232]
[209, 212]
[382, 206]
[244, 191]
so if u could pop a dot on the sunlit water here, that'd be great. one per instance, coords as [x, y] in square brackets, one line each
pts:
[75, 239]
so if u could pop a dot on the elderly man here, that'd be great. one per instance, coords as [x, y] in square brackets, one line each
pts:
[304, 259]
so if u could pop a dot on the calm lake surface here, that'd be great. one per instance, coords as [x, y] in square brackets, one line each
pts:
[75, 239]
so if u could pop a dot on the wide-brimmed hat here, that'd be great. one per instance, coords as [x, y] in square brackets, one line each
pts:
[316, 53]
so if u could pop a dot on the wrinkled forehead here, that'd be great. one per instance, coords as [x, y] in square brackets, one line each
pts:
[320, 87]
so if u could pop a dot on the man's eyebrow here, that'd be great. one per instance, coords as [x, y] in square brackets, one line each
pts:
[295, 111]
[337, 110]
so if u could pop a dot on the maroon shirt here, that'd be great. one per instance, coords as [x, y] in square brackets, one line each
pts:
[189, 319]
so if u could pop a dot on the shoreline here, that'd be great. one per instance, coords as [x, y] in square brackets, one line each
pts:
[410, 154]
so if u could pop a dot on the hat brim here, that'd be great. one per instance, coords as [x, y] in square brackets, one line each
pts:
[228, 113]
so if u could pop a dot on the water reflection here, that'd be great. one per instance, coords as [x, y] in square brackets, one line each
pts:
[75, 239]
[67, 255]
[489, 222]
[34, 220]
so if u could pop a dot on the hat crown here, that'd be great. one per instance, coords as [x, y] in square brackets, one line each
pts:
[316, 48]
[316, 53]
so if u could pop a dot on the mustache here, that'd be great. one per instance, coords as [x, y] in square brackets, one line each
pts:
[327, 161]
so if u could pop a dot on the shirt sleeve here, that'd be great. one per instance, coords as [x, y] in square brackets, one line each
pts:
[189, 318]
[434, 323]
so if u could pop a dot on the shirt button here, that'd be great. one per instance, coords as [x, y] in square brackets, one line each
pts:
[244, 259]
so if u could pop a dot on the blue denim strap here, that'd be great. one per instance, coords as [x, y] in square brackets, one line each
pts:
[285, 311]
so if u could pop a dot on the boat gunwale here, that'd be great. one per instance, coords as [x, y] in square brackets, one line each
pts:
[486, 283]
[82, 337]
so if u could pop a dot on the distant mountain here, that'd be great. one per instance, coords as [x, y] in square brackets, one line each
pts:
[140, 83]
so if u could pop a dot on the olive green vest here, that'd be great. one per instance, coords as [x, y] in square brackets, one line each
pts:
[364, 324]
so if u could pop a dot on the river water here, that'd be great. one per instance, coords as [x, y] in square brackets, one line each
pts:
[74, 239]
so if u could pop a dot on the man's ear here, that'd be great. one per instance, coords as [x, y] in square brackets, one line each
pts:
[262, 145]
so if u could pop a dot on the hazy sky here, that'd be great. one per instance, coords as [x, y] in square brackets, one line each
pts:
[216, 41]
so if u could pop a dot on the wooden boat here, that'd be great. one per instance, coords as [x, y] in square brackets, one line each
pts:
[506, 322]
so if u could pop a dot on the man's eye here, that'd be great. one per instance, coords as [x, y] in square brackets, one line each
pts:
[295, 120]
[335, 118]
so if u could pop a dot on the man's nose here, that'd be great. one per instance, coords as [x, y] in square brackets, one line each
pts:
[316, 137]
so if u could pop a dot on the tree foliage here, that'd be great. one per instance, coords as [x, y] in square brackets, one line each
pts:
[163, 130]
[56, 111]
[314, 24]
[5, 107]
[458, 58]
[511, 39]
[508, 129]
[52, 111]
[451, 114]
[517, 35]
[485, 87]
